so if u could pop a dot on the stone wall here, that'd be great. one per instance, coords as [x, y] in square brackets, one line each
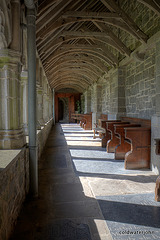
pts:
[14, 179]
[140, 89]
[113, 93]
[43, 135]
[131, 90]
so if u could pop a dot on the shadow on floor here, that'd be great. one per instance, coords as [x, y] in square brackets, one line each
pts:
[62, 211]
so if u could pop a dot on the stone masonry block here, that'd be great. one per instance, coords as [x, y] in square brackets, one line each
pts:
[158, 65]
[158, 47]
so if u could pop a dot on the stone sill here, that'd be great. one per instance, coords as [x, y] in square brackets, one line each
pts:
[7, 156]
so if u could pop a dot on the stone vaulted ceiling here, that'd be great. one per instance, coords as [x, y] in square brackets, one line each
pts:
[79, 40]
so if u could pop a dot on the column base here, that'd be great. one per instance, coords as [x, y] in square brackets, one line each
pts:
[12, 139]
[25, 129]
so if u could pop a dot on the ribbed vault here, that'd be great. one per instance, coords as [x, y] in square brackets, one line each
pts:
[78, 41]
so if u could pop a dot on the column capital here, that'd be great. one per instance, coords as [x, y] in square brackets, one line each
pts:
[24, 74]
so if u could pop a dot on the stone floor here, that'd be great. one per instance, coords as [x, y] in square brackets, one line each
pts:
[84, 194]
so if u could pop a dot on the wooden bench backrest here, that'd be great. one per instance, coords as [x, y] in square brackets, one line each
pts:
[143, 122]
[104, 116]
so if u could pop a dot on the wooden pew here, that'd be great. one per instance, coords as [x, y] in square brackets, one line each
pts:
[86, 121]
[76, 116]
[157, 188]
[100, 128]
[114, 140]
[140, 140]
[124, 144]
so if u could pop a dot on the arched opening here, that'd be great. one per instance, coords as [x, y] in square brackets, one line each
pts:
[63, 109]
[60, 110]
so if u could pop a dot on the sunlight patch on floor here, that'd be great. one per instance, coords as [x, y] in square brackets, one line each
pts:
[83, 143]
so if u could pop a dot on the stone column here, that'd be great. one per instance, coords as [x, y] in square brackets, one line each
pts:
[53, 94]
[44, 100]
[24, 101]
[11, 132]
[82, 104]
[40, 105]
[50, 104]
[117, 107]
[97, 103]
[121, 108]
[15, 7]
[87, 96]
[155, 120]
[40, 99]
[155, 126]
[32, 104]
[37, 92]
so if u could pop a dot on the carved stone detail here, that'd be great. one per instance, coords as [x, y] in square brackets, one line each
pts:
[5, 24]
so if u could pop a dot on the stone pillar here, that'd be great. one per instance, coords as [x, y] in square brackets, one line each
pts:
[155, 120]
[50, 104]
[37, 92]
[11, 132]
[40, 105]
[121, 108]
[96, 103]
[45, 102]
[117, 106]
[54, 120]
[15, 8]
[82, 103]
[40, 99]
[24, 100]
[87, 96]
[32, 111]
[155, 126]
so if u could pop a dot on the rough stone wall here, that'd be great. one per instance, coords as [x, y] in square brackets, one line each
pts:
[131, 90]
[109, 93]
[145, 18]
[113, 93]
[155, 121]
[43, 135]
[87, 101]
[96, 97]
[14, 186]
[140, 87]
[93, 98]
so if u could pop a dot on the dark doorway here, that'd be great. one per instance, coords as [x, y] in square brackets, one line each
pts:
[60, 110]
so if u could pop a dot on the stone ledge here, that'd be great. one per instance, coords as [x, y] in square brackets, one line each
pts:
[7, 156]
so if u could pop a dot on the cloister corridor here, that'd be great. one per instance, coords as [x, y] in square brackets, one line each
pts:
[93, 62]
[84, 194]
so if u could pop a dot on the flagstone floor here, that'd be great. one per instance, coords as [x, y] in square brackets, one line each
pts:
[84, 194]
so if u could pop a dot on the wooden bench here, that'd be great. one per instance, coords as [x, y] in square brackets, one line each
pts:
[140, 140]
[76, 116]
[157, 188]
[86, 121]
[114, 140]
[124, 144]
[100, 128]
